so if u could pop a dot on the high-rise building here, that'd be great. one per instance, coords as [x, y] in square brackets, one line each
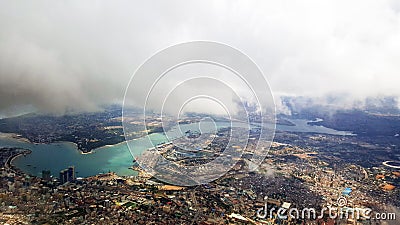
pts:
[71, 173]
[46, 175]
[67, 175]
[63, 176]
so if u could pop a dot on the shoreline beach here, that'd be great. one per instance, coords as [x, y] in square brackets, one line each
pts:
[14, 136]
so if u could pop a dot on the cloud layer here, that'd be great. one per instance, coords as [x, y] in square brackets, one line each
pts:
[61, 56]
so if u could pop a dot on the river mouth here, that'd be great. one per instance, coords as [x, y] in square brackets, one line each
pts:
[116, 158]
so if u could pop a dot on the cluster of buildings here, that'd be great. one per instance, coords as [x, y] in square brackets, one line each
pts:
[66, 175]
[291, 176]
[332, 178]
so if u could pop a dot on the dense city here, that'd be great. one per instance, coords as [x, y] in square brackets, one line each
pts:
[313, 172]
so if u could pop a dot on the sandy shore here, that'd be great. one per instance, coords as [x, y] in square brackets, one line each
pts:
[85, 153]
[14, 136]
[105, 146]
[99, 148]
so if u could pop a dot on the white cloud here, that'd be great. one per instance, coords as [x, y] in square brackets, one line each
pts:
[58, 55]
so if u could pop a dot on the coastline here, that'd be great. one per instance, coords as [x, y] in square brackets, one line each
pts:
[15, 136]
[96, 149]
[14, 164]
[9, 163]
[19, 138]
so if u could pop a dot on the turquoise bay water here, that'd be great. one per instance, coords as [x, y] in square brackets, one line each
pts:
[117, 158]
[58, 156]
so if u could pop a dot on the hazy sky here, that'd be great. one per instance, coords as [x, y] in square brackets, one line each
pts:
[58, 55]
